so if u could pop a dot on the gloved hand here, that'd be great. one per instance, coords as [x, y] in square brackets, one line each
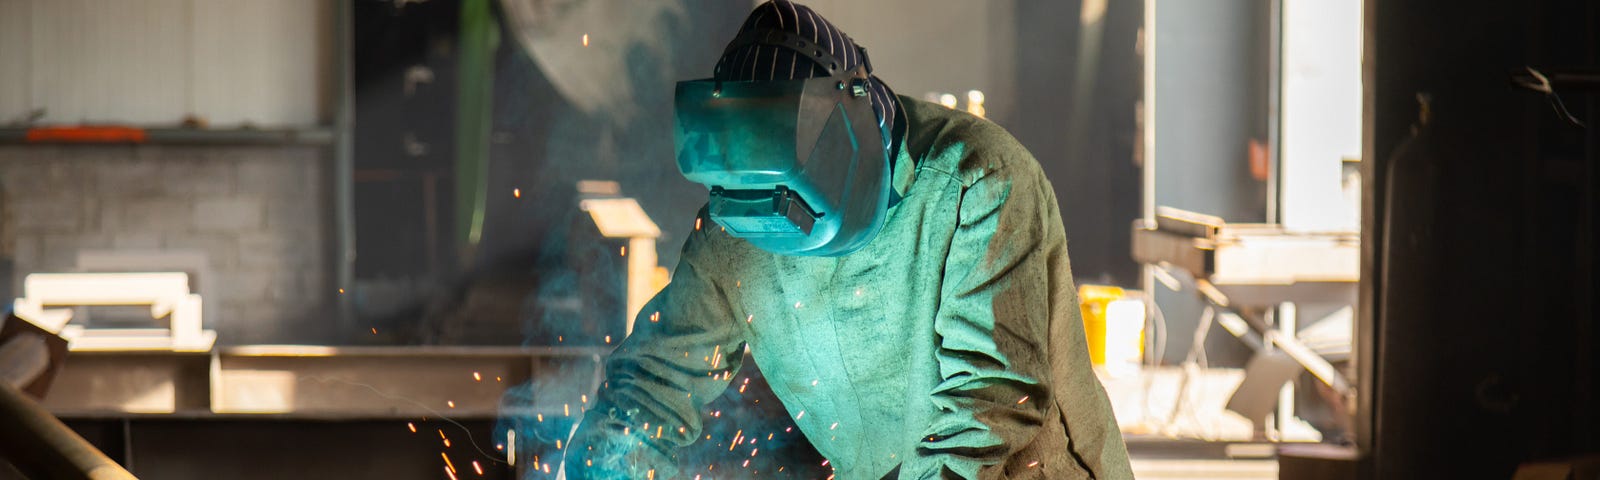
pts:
[611, 451]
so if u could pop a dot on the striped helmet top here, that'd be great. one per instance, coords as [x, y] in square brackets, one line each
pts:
[758, 62]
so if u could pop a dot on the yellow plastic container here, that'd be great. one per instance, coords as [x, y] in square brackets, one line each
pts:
[1093, 299]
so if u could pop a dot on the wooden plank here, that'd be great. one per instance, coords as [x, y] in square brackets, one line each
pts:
[76, 289]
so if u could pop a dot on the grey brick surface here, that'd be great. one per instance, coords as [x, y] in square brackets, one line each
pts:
[237, 214]
[146, 214]
[291, 212]
[278, 248]
[27, 171]
[259, 214]
[135, 240]
[197, 175]
[250, 287]
[117, 176]
[285, 172]
[221, 249]
[49, 212]
[59, 251]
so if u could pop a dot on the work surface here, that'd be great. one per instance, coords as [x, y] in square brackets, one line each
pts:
[313, 382]
[291, 393]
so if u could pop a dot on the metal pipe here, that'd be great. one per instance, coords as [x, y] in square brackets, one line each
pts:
[479, 38]
[344, 217]
[41, 446]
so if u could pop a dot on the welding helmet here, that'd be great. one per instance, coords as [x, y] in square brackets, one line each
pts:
[795, 167]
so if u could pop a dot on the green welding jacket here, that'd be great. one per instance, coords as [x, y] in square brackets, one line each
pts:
[951, 346]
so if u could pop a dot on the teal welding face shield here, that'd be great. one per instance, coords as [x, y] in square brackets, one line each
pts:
[796, 167]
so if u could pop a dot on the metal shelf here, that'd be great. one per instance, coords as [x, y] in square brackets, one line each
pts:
[171, 136]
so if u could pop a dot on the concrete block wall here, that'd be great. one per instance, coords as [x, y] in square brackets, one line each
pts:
[260, 216]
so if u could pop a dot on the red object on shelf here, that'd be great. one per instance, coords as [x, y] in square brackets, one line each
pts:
[1260, 161]
[87, 134]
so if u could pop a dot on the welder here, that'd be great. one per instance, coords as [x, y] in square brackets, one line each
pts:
[897, 269]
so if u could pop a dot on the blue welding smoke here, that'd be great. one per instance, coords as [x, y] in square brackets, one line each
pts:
[558, 122]
[746, 432]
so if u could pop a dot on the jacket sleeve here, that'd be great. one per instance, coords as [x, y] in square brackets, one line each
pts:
[992, 329]
[684, 348]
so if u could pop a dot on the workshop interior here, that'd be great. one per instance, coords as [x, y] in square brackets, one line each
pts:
[1311, 239]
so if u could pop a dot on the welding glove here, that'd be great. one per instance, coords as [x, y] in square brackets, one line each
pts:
[623, 452]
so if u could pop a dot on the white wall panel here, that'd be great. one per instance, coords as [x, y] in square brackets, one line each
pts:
[153, 62]
[1321, 112]
[288, 47]
[14, 53]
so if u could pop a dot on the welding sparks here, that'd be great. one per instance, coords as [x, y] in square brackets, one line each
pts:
[622, 251]
[1023, 399]
[477, 468]
[451, 403]
[511, 447]
[608, 339]
[412, 426]
[1034, 463]
[585, 39]
[374, 330]
[447, 463]
[450, 473]
[516, 193]
[697, 223]
[476, 377]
